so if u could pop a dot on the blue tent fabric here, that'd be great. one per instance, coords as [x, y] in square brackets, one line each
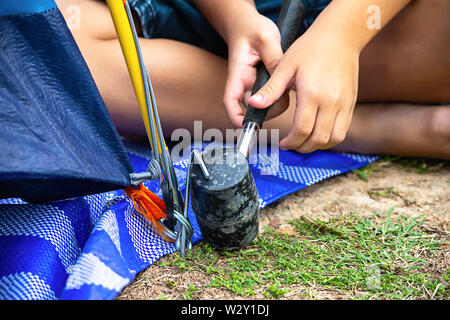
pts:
[93, 246]
[25, 6]
[57, 138]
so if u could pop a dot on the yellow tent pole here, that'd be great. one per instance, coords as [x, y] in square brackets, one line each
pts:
[125, 35]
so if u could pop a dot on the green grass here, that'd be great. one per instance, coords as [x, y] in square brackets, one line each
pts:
[383, 192]
[188, 293]
[364, 172]
[358, 257]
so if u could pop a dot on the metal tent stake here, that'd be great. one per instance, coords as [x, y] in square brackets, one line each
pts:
[177, 226]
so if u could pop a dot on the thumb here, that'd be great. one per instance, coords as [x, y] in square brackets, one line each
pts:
[274, 88]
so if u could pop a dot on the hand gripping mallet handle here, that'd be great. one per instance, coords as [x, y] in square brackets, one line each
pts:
[291, 17]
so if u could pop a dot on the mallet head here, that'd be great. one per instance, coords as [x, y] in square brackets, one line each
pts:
[227, 204]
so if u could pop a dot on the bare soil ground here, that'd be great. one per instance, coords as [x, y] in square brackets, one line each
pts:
[422, 188]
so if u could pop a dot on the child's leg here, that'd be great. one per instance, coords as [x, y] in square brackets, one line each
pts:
[188, 81]
[409, 59]
[188, 84]
[400, 129]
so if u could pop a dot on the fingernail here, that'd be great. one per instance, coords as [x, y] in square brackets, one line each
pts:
[257, 98]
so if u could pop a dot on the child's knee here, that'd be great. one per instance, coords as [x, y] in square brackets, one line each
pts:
[439, 126]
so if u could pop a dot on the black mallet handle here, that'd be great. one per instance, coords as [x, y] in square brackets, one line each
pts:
[290, 19]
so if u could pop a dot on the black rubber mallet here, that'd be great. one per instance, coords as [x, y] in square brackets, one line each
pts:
[227, 204]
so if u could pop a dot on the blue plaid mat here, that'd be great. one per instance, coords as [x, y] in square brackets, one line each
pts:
[92, 247]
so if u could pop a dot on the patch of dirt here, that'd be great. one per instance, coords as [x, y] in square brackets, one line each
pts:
[389, 185]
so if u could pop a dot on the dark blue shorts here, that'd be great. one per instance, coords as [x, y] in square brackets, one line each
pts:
[180, 20]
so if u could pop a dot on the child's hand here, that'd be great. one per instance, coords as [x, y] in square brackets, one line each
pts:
[324, 74]
[251, 38]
